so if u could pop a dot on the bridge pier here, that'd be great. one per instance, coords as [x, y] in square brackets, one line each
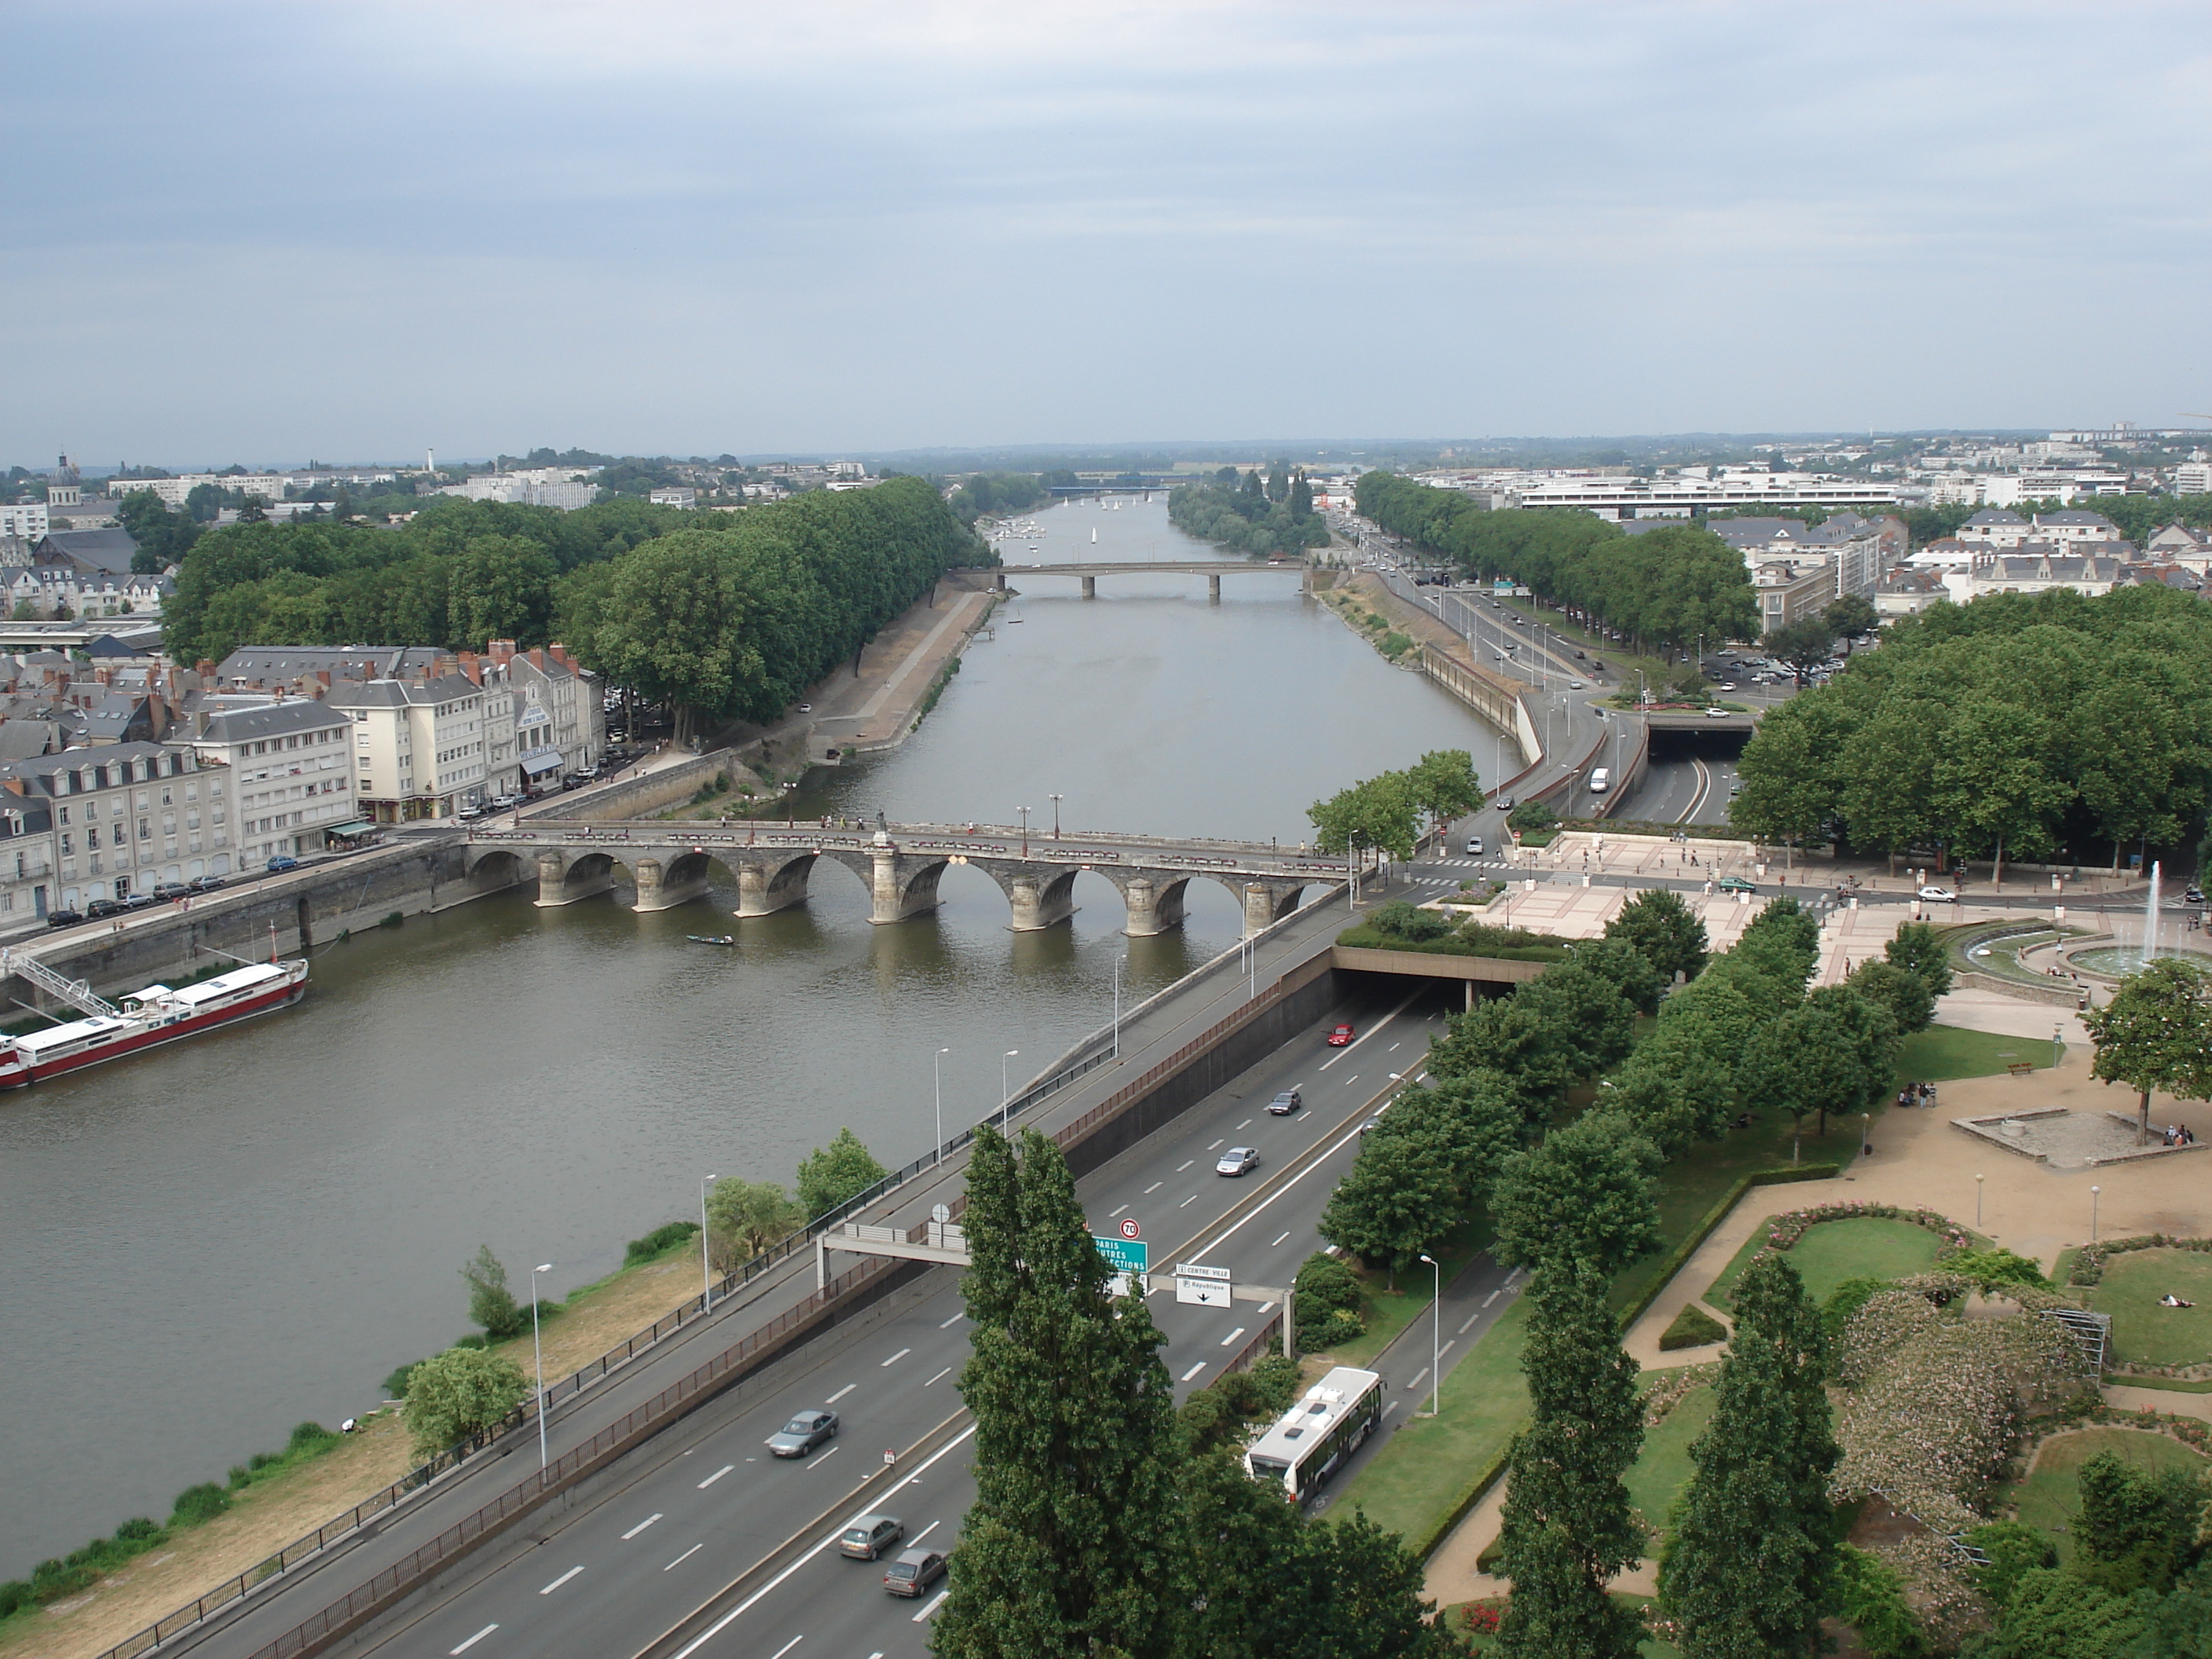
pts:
[554, 888]
[763, 889]
[1266, 902]
[1090, 587]
[656, 892]
[1213, 588]
[1154, 907]
[998, 579]
[900, 889]
[1040, 899]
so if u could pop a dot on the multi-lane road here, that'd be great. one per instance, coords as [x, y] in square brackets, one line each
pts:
[704, 1539]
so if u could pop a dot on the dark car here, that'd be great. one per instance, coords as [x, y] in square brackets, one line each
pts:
[1736, 885]
[870, 1535]
[1504, 803]
[2194, 895]
[803, 1433]
[63, 918]
[102, 910]
[1286, 1102]
[205, 884]
[281, 863]
[913, 1572]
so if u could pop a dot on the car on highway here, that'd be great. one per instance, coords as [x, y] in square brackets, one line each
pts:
[1474, 846]
[1576, 685]
[1502, 802]
[914, 1571]
[870, 1535]
[281, 863]
[1938, 894]
[803, 1433]
[2194, 895]
[1371, 1124]
[1289, 1101]
[1340, 1037]
[808, 708]
[1736, 885]
[1717, 713]
[1237, 1160]
[1729, 685]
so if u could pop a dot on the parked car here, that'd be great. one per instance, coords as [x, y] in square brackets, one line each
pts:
[914, 1571]
[206, 883]
[102, 910]
[1289, 1101]
[803, 1433]
[141, 901]
[870, 1535]
[1236, 1161]
[1938, 894]
[1737, 884]
[63, 918]
[1340, 1037]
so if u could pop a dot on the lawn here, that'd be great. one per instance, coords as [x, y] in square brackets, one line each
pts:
[1865, 1247]
[1388, 1312]
[2144, 1333]
[2050, 1498]
[1950, 1051]
[1662, 1469]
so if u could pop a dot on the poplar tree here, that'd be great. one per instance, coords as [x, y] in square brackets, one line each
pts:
[1072, 1545]
[1568, 1525]
[1747, 1572]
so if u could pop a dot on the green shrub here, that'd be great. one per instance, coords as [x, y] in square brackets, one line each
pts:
[1846, 1299]
[1532, 815]
[142, 1530]
[53, 1580]
[659, 1241]
[1339, 1326]
[2013, 1548]
[15, 1596]
[240, 1477]
[197, 1503]
[1327, 1284]
[309, 1440]
[1275, 1383]
[491, 1303]
[1995, 1267]
[395, 1386]
[1693, 1328]
[473, 1340]
[392, 920]
[1871, 1598]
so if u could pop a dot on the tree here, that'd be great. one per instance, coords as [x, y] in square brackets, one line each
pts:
[1801, 646]
[836, 1174]
[1833, 1054]
[1783, 942]
[1791, 785]
[1850, 616]
[1996, 784]
[1747, 1570]
[1399, 1199]
[1380, 812]
[2156, 1034]
[459, 1393]
[1657, 923]
[1072, 1544]
[491, 1304]
[743, 1218]
[1918, 951]
[1444, 785]
[2137, 1528]
[1622, 966]
[1680, 1084]
[1512, 1038]
[1902, 994]
[1593, 1019]
[1567, 1525]
[1586, 1194]
[2055, 1615]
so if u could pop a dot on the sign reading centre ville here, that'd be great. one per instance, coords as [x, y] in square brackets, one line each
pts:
[1209, 1287]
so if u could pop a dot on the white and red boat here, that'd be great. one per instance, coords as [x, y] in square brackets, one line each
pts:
[147, 1019]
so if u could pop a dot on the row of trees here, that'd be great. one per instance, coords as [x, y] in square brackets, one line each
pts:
[1665, 588]
[1000, 492]
[2017, 725]
[1385, 811]
[1271, 515]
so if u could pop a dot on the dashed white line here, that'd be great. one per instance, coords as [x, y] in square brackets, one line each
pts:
[717, 1475]
[925, 1532]
[1471, 1318]
[841, 1394]
[955, 1319]
[1187, 1202]
[1353, 1079]
[1243, 1127]
[1213, 1148]
[1187, 1375]
[1157, 1185]
[1123, 1211]
[933, 1606]
[1416, 1380]
[640, 1526]
[682, 1558]
[1447, 1347]
[1188, 1162]
[816, 1463]
[1387, 1409]
[787, 1646]
[1487, 1301]
[561, 1580]
[1232, 1336]
[941, 1377]
[1278, 1243]
[473, 1640]
[893, 1360]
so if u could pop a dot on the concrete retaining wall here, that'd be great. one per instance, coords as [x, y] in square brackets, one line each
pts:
[653, 792]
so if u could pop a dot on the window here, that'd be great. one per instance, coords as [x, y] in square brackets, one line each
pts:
[68, 846]
[92, 835]
[64, 814]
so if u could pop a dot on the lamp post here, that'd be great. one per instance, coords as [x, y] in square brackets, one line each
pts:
[1435, 1336]
[705, 1263]
[1978, 1201]
[1055, 817]
[1117, 1007]
[937, 1075]
[2057, 1044]
[790, 812]
[1006, 1100]
[539, 1351]
[2093, 1191]
[1024, 811]
[1865, 1128]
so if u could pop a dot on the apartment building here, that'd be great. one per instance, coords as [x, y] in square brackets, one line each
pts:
[291, 764]
[124, 818]
[545, 715]
[27, 858]
[421, 746]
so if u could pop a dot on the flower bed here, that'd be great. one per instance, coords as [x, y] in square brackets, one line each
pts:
[1675, 1386]
[2089, 1260]
[1786, 1229]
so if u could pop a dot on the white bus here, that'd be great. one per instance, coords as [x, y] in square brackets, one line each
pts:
[1318, 1432]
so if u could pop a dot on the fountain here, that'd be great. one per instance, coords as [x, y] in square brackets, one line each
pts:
[2116, 961]
[2149, 951]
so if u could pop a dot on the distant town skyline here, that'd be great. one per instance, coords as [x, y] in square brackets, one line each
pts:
[372, 228]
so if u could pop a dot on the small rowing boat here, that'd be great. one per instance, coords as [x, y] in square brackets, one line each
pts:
[711, 938]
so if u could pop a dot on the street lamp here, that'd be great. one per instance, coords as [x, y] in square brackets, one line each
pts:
[706, 1265]
[1865, 1128]
[1055, 817]
[1024, 811]
[2057, 1044]
[2093, 1191]
[1978, 1201]
[537, 1349]
[1006, 1100]
[1436, 1337]
[1117, 1007]
[937, 1073]
[790, 817]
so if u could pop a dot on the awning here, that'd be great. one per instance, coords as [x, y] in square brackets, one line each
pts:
[537, 764]
[358, 827]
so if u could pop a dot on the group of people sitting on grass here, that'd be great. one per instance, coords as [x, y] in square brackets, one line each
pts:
[1917, 1094]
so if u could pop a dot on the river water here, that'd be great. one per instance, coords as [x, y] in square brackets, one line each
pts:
[207, 1245]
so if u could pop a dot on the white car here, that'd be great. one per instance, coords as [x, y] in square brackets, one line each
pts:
[1938, 894]
[1474, 846]
[1236, 1161]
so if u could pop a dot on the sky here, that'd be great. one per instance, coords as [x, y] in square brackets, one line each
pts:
[358, 229]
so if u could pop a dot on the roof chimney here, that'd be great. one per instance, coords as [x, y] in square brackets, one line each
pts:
[502, 650]
[560, 653]
[538, 658]
[472, 666]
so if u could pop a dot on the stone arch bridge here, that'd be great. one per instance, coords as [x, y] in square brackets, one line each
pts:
[901, 865]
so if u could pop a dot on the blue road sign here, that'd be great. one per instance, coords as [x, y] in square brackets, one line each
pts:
[1124, 1255]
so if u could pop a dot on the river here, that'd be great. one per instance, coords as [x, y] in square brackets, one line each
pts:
[207, 1245]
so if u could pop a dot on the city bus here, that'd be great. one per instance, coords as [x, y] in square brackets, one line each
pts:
[1318, 1432]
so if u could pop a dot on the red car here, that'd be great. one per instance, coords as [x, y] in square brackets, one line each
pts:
[1340, 1037]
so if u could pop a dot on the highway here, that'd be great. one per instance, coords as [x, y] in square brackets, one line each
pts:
[704, 1515]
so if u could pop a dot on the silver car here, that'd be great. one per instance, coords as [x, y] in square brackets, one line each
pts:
[803, 1433]
[1237, 1160]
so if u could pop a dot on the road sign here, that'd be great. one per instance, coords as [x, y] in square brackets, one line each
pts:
[940, 1213]
[1204, 1292]
[1189, 1270]
[1124, 1255]
[1131, 1230]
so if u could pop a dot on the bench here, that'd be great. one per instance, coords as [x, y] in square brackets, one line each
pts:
[2019, 1067]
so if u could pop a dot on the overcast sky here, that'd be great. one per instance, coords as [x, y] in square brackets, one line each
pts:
[266, 232]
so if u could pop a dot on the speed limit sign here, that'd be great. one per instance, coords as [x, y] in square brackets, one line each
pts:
[1131, 1230]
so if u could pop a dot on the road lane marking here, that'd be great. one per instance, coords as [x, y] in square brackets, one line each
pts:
[946, 1372]
[640, 1526]
[787, 1646]
[1277, 1243]
[682, 1558]
[561, 1580]
[1343, 1140]
[1243, 1127]
[1215, 1147]
[1417, 1375]
[1447, 1347]
[717, 1475]
[1187, 1202]
[1263, 1308]
[816, 1463]
[925, 1532]
[473, 1640]
[732, 1616]
[1187, 1375]
[1471, 1318]
[1119, 1213]
[1185, 1165]
[955, 1319]
[1487, 1301]
[1387, 1409]
[893, 1360]
[933, 1606]
[1229, 1338]
[841, 1394]
[1157, 1185]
